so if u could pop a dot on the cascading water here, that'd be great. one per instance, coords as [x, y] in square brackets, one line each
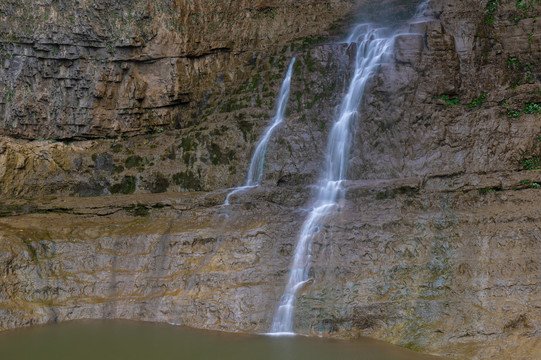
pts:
[372, 46]
[255, 173]
[421, 10]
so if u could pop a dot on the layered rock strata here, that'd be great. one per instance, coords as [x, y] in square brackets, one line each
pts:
[437, 245]
[441, 271]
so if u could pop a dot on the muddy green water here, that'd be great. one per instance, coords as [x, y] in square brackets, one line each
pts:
[121, 340]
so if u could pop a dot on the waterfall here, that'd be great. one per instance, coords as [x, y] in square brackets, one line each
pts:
[255, 173]
[373, 44]
[421, 9]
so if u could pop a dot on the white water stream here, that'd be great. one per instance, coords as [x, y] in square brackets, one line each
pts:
[257, 165]
[373, 44]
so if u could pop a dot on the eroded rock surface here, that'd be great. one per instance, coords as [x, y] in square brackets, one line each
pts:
[439, 271]
[133, 118]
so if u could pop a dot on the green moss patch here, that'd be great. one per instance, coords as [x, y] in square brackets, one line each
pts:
[126, 186]
[133, 161]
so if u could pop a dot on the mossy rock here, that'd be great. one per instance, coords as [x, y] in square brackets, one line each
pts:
[245, 127]
[133, 161]
[188, 180]
[126, 186]
[160, 184]
[137, 210]
[116, 148]
[217, 157]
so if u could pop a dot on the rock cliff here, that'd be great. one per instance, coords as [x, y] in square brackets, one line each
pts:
[124, 122]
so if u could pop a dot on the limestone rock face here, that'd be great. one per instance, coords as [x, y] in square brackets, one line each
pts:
[439, 271]
[96, 69]
[123, 123]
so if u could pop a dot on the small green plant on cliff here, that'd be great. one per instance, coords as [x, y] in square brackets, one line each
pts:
[449, 101]
[532, 108]
[478, 101]
[525, 5]
[519, 73]
[491, 8]
[513, 63]
[532, 164]
[513, 113]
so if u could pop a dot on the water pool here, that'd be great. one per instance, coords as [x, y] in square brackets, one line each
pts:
[118, 340]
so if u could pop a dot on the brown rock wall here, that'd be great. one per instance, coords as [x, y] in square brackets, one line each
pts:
[436, 247]
[104, 69]
[440, 271]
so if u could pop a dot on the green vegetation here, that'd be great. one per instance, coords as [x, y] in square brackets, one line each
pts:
[297, 67]
[526, 5]
[519, 72]
[533, 163]
[188, 180]
[255, 82]
[217, 157]
[529, 108]
[532, 108]
[310, 63]
[449, 101]
[491, 8]
[513, 113]
[478, 101]
[9, 95]
[133, 161]
[187, 144]
[528, 184]
[486, 190]
[126, 186]
[137, 210]
[118, 169]
[513, 63]
[309, 41]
